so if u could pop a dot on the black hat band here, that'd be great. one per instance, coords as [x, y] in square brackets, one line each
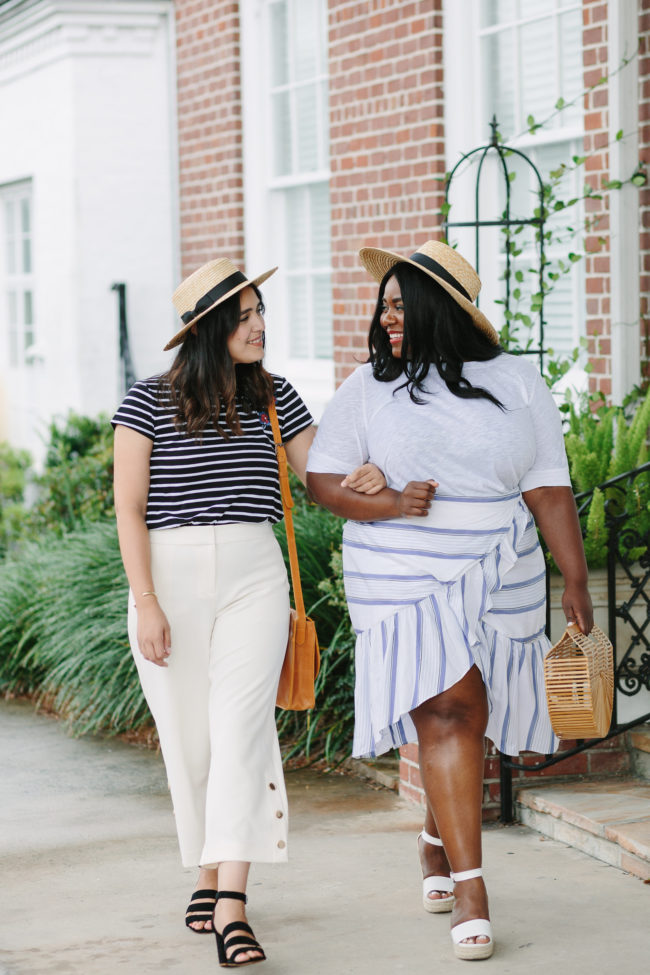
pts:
[212, 296]
[442, 272]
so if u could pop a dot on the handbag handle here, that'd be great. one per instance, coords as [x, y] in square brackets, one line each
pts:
[287, 505]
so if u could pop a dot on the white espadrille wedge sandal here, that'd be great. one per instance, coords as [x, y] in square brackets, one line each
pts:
[476, 928]
[443, 885]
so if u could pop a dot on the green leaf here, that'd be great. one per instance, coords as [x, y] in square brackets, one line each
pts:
[619, 135]
[560, 103]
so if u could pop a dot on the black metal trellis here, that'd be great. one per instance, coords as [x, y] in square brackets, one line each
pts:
[507, 221]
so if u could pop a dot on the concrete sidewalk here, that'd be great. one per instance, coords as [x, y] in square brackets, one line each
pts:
[91, 880]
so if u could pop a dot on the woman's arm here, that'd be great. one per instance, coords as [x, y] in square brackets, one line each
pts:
[327, 489]
[131, 481]
[297, 449]
[554, 510]
[367, 479]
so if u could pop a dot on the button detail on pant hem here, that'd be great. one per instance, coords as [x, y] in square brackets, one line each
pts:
[279, 814]
[281, 844]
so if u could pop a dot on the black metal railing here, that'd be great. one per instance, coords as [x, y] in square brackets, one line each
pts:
[627, 526]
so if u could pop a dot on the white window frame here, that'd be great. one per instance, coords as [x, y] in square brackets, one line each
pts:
[466, 126]
[17, 280]
[264, 224]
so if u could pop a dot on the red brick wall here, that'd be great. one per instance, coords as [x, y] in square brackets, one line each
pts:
[644, 195]
[209, 132]
[610, 758]
[386, 144]
[597, 238]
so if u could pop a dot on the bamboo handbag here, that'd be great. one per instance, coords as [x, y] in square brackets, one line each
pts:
[302, 657]
[579, 678]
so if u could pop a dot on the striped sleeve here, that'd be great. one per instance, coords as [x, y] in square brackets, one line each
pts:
[138, 409]
[293, 415]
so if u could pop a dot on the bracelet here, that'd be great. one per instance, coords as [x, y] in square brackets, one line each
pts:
[149, 594]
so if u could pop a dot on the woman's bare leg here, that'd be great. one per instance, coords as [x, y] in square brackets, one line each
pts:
[233, 875]
[451, 729]
[433, 859]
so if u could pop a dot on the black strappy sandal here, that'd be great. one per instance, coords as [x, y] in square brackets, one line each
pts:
[203, 910]
[224, 943]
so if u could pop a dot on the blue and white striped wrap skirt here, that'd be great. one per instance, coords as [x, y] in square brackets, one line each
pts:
[429, 598]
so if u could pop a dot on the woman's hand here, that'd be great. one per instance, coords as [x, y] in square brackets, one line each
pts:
[154, 634]
[576, 603]
[367, 479]
[416, 498]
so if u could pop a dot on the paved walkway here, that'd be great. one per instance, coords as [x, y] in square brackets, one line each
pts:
[91, 884]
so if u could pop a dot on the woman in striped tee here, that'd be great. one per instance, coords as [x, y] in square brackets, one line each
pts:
[196, 495]
[444, 574]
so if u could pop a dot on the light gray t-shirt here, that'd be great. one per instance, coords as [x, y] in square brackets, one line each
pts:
[470, 447]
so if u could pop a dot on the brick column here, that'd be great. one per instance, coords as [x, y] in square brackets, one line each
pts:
[209, 132]
[597, 237]
[386, 145]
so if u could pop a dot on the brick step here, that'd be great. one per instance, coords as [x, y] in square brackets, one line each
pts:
[607, 819]
[639, 744]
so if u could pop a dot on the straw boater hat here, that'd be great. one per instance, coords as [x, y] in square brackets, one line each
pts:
[206, 288]
[444, 265]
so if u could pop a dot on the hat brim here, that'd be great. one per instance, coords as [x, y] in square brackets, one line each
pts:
[378, 262]
[253, 282]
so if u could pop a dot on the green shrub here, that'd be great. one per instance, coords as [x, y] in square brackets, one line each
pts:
[602, 444]
[63, 635]
[76, 485]
[14, 465]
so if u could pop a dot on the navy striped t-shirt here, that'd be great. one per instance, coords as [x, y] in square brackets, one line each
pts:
[211, 481]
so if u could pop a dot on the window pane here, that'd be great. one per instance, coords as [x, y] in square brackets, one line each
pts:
[13, 346]
[499, 79]
[297, 224]
[12, 307]
[281, 134]
[27, 306]
[538, 70]
[307, 128]
[324, 160]
[496, 12]
[320, 226]
[306, 40]
[559, 328]
[27, 255]
[10, 218]
[571, 77]
[25, 223]
[279, 44]
[299, 344]
[322, 316]
[531, 8]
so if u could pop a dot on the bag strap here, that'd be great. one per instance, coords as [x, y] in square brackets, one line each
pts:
[287, 504]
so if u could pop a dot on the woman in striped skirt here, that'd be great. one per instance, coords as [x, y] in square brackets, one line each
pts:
[444, 574]
[196, 495]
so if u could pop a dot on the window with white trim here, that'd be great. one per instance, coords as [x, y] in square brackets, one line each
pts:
[298, 177]
[532, 62]
[16, 270]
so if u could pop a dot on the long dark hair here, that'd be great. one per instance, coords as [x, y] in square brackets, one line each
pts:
[437, 332]
[203, 377]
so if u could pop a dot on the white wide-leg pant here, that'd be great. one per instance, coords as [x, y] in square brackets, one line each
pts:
[225, 592]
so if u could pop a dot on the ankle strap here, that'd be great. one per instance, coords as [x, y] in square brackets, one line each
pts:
[466, 875]
[233, 894]
[428, 838]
